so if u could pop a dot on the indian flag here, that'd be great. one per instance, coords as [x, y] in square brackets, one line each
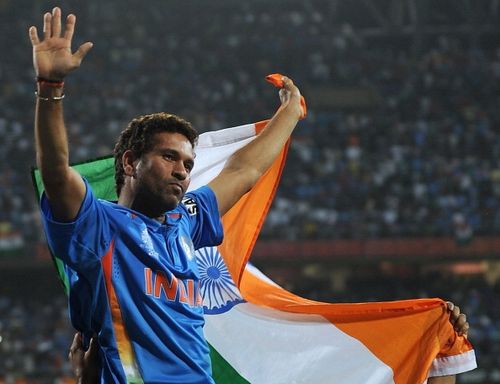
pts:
[260, 333]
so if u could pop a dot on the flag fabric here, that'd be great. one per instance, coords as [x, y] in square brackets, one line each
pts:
[260, 333]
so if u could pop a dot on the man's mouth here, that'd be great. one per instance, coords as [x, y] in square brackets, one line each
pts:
[177, 187]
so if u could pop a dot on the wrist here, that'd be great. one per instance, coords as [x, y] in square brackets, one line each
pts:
[49, 82]
[49, 91]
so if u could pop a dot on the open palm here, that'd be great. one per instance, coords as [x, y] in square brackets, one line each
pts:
[52, 56]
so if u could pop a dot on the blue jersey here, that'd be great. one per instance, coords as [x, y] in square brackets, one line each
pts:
[135, 282]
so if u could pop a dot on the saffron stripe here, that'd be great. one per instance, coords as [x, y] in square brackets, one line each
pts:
[251, 209]
[123, 343]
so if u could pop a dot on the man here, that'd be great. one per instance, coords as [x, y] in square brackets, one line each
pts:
[108, 247]
[143, 336]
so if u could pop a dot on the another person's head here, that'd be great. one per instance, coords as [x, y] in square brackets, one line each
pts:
[140, 137]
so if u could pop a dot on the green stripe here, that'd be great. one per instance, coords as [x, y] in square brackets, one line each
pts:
[100, 173]
[134, 380]
[222, 371]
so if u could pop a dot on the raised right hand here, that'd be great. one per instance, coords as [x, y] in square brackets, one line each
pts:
[52, 56]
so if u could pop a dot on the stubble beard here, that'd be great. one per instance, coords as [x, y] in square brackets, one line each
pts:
[157, 204]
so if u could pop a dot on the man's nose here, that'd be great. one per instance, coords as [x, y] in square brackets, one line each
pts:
[179, 171]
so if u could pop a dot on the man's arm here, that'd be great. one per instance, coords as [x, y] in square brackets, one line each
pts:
[442, 380]
[52, 61]
[247, 165]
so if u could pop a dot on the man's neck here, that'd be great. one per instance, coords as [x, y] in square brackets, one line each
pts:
[132, 204]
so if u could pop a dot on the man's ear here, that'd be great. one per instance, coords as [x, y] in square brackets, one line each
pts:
[128, 163]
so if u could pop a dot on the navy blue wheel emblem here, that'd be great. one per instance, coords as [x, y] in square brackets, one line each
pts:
[218, 290]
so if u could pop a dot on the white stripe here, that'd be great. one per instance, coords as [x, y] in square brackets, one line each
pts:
[257, 273]
[453, 365]
[213, 150]
[226, 136]
[271, 346]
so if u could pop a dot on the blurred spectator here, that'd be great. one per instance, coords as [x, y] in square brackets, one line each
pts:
[406, 167]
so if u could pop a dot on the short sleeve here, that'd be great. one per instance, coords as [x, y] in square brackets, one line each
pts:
[81, 242]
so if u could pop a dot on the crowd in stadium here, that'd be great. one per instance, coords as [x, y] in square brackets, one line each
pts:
[35, 339]
[35, 334]
[426, 163]
[423, 160]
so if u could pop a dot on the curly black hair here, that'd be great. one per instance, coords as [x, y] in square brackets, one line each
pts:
[138, 138]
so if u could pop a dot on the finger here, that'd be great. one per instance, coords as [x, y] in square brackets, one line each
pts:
[460, 323]
[76, 354]
[284, 95]
[92, 351]
[56, 22]
[287, 82]
[455, 314]
[76, 343]
[47, 25]
[83, 50]
[290, 86]
[33, 33]
[465, 330]
[70, 27]
[450, 305]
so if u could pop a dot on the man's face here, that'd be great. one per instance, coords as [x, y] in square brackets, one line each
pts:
[164, 172]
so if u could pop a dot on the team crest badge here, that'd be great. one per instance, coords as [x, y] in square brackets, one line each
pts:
[147, 243]
[187, 247]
